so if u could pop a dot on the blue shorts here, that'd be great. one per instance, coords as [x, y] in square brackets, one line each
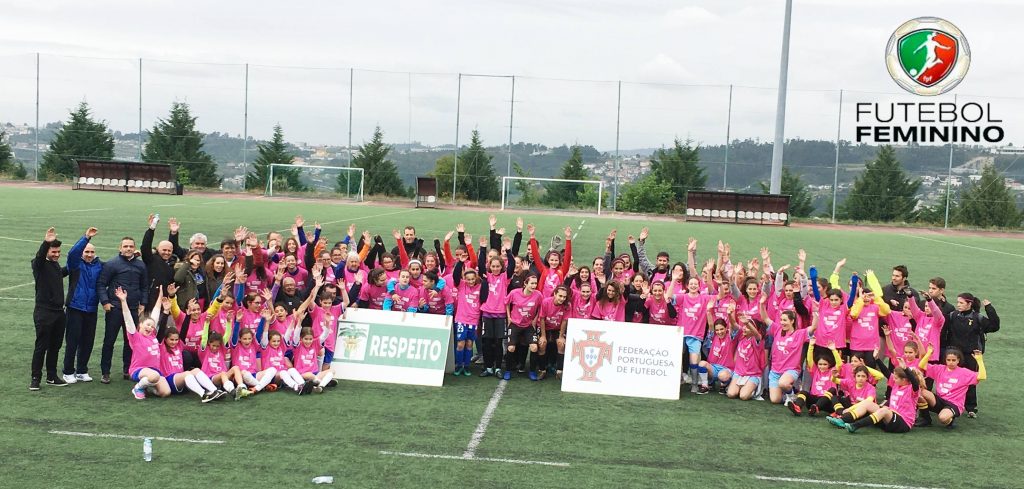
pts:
[693, 344]
[135, 374]
[741, 380]
[328, 356]
[170, 382]
[773, 377]
[465, 332]
[716, 369]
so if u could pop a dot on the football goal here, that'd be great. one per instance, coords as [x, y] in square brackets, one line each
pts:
[315, 181]
[553, 193]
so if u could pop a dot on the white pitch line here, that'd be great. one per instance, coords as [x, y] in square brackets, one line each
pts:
[90, 210]
[838, 483]
[964, 246]
[215, 202]
[16, 286]
[481, 427]
[135, 437]
[578, 228]
[481, 459]
[170, 205]
[358, 218]
[15, 299]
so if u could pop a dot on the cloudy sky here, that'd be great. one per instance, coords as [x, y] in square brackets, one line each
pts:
[676, 60]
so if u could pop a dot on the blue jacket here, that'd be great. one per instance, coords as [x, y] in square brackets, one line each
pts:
[82, 284]
[131, 275]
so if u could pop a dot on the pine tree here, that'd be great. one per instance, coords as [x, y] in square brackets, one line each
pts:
[800, 199]
[79, 137]
[176, 141]
[274, 152]
[568, 192]
[883, 192]
[988, 202]
[527, 192]
[481, 182]
[6, 158]
[679, 167]
[379, 173]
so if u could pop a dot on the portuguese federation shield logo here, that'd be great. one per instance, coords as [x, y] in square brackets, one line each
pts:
[927, 56]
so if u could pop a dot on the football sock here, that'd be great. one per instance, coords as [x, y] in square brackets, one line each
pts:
[268, 377]
[205, 381]
[193, 385]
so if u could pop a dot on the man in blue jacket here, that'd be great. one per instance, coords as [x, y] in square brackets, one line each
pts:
[80, 334]
[129, 273]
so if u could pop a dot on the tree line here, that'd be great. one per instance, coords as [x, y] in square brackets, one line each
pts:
[883, 192]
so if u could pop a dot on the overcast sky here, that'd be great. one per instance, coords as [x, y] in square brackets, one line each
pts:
[706, 45]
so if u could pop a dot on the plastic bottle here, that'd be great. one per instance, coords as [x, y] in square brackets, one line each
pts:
[323, 479]
[147, 449]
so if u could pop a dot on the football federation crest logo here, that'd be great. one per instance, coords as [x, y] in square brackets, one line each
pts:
[927, 56]
[591, 353]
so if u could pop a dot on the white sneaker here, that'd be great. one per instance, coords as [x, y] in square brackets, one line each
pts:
[693, 388]
[71, 379]
[83, 377]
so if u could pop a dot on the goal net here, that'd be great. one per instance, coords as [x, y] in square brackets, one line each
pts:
[315, 181]
[553, 193]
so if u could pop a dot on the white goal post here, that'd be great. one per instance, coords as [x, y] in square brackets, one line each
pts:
[270, 175]
[506, 181]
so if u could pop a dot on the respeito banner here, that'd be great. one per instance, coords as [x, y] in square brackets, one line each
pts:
[392, 347]
[622, 359]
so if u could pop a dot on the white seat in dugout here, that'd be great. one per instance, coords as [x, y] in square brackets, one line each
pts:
[757, 215]
[783, 217]
[706, 213]
[81, 180]
[90, 180]
[145, 184]
[714, 212]
[161, 184]
[120, 183]
[138, 184]
[731, 214]
[774, 216]
[689, 211]
[106, 181]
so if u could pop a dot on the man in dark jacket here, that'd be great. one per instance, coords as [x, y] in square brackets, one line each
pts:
[896, 292]
[48, 314]
[128, 272]
[159, 265]
[412, 245]
[937, 292]
[84, 269]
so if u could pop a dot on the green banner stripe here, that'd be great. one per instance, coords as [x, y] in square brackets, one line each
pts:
[391, 345]
[911, 57]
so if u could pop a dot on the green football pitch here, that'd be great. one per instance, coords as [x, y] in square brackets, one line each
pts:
[359, 432]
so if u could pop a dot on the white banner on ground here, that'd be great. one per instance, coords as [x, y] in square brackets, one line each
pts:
[393, 347]
[622, 359]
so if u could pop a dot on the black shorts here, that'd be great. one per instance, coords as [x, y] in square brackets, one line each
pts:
[492, 328]
[941, 404]
[551, 335]
[896, 425]
[522, 336]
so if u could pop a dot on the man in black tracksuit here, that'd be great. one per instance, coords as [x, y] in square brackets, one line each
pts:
[159, 265]
[128, 272]
[965, 329]
[48, 314]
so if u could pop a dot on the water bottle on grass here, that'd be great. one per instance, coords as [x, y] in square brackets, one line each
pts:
[147, 449]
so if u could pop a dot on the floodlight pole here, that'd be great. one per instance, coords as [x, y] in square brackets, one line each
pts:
[511, 114]
[835, 175]
[780, 108]
[728, 129]
[455, 162]
[36, 152]
[245, 129]
[615, 164]
[140, 109]
[949, 176]
[351, 80]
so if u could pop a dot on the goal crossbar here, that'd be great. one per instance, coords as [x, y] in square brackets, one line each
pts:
[504, 187]
[270, 176]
